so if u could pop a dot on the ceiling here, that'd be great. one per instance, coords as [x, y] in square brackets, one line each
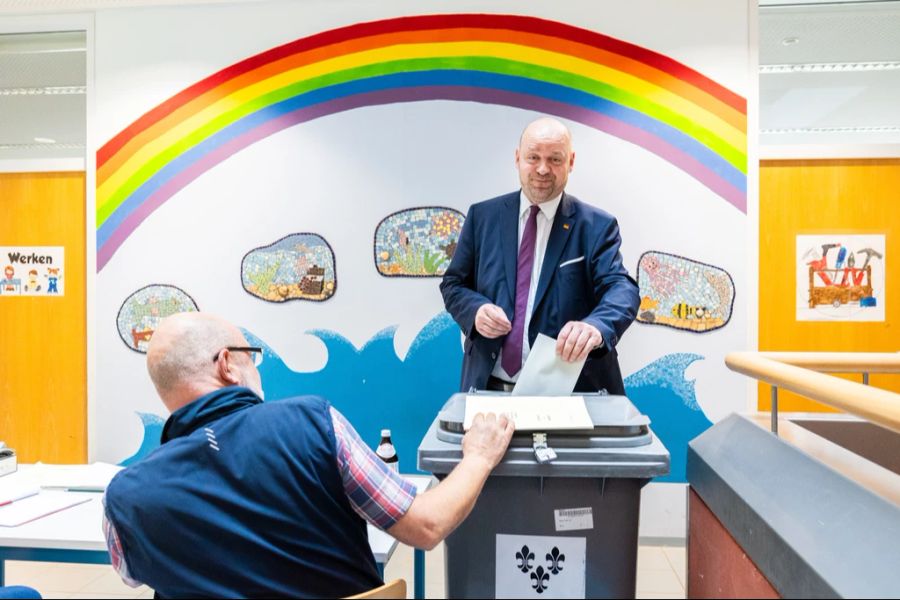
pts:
[829, 74]
[42, 95]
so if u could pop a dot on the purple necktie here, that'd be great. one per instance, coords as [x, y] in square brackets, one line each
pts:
[512, 345]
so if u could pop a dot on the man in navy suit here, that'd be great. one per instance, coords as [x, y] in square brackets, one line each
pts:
[540, 261]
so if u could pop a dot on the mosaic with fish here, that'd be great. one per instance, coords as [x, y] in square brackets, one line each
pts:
[683, 293]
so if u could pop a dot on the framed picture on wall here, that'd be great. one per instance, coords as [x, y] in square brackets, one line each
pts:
[840, 277]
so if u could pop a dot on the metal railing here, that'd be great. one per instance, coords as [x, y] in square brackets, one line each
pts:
[805, 373]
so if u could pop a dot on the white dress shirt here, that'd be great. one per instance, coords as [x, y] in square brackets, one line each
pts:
[544, 223]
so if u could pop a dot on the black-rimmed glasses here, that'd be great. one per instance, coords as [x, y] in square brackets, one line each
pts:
[255, 351]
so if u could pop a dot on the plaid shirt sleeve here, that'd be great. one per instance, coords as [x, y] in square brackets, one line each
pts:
[376, 492]
[116, 556]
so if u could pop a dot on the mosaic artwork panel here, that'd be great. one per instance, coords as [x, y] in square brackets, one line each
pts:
[682, 293]
[299, 266]
[142, 311]
[417, 242]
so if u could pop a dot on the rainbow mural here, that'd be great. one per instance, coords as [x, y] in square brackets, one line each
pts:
[619, 88]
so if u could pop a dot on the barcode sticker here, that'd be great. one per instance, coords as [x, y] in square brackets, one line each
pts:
[573, 519]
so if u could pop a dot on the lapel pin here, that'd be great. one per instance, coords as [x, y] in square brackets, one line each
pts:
[565, 225]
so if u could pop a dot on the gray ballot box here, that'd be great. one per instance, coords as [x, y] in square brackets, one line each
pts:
[558, 517]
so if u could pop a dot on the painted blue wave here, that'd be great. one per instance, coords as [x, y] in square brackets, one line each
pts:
[661, 391]
[153, 426]
[375, 389]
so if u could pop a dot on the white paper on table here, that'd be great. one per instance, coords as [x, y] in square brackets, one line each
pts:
[41, 505]
[93, 477]
[545, 373]
[532, 413]
[12, 492]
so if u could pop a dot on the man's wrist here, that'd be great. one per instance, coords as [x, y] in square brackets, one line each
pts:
[600, 333]
[478, 464]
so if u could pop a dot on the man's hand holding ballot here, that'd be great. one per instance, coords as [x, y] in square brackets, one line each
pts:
[576, 340]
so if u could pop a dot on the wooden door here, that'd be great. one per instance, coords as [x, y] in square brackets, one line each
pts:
[824, 196]
[43, 392]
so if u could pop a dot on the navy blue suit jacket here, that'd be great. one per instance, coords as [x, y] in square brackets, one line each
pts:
[582, 279]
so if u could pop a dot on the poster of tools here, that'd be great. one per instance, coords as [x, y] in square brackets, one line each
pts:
[32, 271]
[840, 277]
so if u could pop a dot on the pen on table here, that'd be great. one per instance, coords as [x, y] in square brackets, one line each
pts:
[19, 496]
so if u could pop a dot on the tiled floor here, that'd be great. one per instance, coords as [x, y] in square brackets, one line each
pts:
[660, 575]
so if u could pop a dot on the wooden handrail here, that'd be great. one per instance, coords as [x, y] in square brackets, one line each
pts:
[840, 362]
[878, 406]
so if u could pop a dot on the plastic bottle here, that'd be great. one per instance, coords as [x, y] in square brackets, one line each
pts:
[387, 452]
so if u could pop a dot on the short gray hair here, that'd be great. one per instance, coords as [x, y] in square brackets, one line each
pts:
[183, 347]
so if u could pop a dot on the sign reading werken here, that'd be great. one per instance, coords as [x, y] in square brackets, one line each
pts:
[32, 271]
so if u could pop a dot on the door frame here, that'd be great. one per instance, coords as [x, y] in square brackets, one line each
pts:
[47, 23]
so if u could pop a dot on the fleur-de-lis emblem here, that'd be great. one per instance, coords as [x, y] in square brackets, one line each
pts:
[555, 560]
[539, 580]
[524, 558]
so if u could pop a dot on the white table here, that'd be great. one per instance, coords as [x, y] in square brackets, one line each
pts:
[75, 535]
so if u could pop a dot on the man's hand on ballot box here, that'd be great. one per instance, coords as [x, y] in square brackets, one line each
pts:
[437, 512]
[488, 437]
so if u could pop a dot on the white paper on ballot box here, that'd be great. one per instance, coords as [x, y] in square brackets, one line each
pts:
[532, 413]
[540, 566]
[540, 400]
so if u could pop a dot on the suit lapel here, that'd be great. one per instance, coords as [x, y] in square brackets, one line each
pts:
[509, 239]
[559, 236]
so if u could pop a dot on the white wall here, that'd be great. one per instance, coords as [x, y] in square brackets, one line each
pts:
[339, 175]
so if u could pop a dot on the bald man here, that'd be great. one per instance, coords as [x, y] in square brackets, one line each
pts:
[539, 260]
[252, 499]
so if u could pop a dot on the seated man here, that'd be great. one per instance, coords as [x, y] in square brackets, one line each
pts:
[254, 499]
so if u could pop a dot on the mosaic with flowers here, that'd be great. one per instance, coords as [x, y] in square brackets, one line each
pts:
[418, 242]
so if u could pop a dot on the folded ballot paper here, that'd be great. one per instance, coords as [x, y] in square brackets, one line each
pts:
[545, 373]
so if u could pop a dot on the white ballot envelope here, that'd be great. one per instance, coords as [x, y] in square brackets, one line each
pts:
[545, 373]
[532, 413]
